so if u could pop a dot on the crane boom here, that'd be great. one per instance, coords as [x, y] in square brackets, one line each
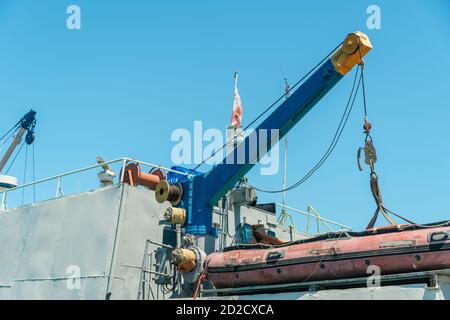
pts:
[26, 125]
[203, 191]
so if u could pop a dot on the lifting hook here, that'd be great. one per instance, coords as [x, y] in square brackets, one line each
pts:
[370, 153]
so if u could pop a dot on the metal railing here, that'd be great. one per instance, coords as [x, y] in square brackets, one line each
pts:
[115, 164]
[310, 214]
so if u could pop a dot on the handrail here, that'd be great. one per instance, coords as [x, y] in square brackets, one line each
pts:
[317, 217]
[93, 167]
[124, 161]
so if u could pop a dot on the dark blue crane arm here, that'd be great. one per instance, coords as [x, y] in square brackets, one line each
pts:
[238, 162]
[201, 193]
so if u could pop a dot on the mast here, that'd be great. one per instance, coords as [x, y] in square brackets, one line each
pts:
[283, 197]
[232, 130]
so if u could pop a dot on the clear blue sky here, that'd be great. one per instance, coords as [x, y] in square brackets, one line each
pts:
[137, 70]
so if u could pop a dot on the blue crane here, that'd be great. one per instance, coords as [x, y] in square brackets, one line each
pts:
[195, 197]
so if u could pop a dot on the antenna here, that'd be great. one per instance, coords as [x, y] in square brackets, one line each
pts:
[284, 214]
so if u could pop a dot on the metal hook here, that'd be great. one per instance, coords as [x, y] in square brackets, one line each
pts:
[358, 158]
[370, 155]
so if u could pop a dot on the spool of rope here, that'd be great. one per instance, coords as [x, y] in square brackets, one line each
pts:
[168, 192]
[184, 259]
[175, 215]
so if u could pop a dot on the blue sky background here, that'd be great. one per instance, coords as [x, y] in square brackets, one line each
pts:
[140, 69]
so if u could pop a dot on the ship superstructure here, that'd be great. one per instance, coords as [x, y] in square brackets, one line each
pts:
[150, 232]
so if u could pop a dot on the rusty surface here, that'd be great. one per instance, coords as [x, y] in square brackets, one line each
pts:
[259, 235]
[135, 177]
[409, 251]
[175, 215]
[184, 259]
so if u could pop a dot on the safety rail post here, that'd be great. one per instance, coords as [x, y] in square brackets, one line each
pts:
[320, 217]
[122, 172]
[3, 204]
[317, 217]
[308, 223]
[58, 187]
[58, 178]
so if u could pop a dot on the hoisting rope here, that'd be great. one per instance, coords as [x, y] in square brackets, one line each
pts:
[11, 133]
[347, 111]
[15, 157]
[370, 159]
[25, 172]
[10, 130]
[33, 172]
[199, 283]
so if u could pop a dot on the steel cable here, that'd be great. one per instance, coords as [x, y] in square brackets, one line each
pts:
[10, 130]
[347, 111]
[15, 157]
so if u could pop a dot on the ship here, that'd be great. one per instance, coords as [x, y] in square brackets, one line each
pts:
[153, 232]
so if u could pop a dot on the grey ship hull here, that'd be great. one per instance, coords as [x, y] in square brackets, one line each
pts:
[111, 243]
[94, 245]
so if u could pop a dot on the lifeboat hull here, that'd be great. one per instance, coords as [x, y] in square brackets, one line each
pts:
[392, 250]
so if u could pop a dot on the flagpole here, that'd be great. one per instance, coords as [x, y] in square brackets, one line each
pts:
[236, 76]
[286, 91]
[283, 199]
[231, 130]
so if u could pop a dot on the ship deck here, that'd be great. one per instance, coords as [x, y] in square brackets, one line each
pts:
[426, 285]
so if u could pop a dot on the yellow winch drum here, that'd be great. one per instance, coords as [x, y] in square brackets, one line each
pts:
[184, 259]
[175, 215]
[353, 49]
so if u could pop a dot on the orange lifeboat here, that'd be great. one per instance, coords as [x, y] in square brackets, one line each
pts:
[394, 249]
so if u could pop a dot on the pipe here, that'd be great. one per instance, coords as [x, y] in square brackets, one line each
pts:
[135, 177]
[178, 232]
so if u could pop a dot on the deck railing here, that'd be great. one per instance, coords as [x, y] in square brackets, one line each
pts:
[59, 186]
[15, 197]
[311, 214]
